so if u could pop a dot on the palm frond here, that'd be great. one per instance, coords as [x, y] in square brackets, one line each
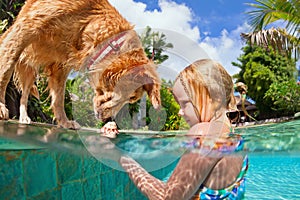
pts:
[268, 11]
[276, 38]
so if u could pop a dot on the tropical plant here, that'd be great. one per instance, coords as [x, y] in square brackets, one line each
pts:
[79, 101]
[267, 12]
[260, 68]
[286, 97]
[155, 44]
[169, 114]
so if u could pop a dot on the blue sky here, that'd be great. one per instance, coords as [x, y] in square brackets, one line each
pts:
[213, 26]
[212, 16]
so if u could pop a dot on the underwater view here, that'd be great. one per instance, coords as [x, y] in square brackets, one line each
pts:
[45, 162]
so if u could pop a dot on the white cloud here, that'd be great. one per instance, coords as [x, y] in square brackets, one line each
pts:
[175, 21]
[172, 16]
[226, 48]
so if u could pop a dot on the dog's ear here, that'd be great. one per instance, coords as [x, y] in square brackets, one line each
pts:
[152, 85]
[144, 77]
[153, 91]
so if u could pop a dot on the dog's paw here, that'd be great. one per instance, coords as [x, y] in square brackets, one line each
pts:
[3, 112]
[70, 125]
[24, 120]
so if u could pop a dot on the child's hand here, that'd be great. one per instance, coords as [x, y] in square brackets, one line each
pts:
[109, 130]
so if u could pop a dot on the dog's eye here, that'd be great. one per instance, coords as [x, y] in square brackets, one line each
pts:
[133, 98]
[108, 98]
[99, 92]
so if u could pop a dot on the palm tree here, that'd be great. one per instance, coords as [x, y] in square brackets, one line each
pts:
[267, 12]
[155, 44]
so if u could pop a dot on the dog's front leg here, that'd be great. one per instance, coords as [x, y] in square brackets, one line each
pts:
[57, 84]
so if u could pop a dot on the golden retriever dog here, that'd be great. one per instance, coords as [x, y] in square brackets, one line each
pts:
[57, 36]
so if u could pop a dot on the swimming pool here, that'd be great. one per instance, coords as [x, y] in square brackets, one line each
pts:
[44, 162]
[274, 155]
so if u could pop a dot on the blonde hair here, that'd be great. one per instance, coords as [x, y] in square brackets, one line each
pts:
[207, 78]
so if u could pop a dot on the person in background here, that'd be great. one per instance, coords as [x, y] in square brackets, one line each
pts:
[242, 89]
[210, 168]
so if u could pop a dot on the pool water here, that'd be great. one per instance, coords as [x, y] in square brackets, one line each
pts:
[45, 162]
[273, 176]
[274, 156]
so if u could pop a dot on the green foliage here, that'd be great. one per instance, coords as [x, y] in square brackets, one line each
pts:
[8, 10]
[259, 70]
[170, 106]
[264, 14]
[77, 106]
[79, 101]
[42, 105]
[155, 44]
[124, 118]
[3, 25]
[156, 119]
[286, 97]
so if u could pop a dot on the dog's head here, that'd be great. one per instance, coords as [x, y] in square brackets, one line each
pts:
[118, 88]
[123, 78]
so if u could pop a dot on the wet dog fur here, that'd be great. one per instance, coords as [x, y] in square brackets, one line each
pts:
[57, 36]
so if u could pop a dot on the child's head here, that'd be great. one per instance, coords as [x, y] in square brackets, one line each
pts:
[204, 88]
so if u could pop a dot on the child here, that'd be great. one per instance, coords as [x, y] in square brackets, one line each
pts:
[204, 91]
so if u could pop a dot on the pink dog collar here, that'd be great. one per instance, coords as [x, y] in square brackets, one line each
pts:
[112, 45]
